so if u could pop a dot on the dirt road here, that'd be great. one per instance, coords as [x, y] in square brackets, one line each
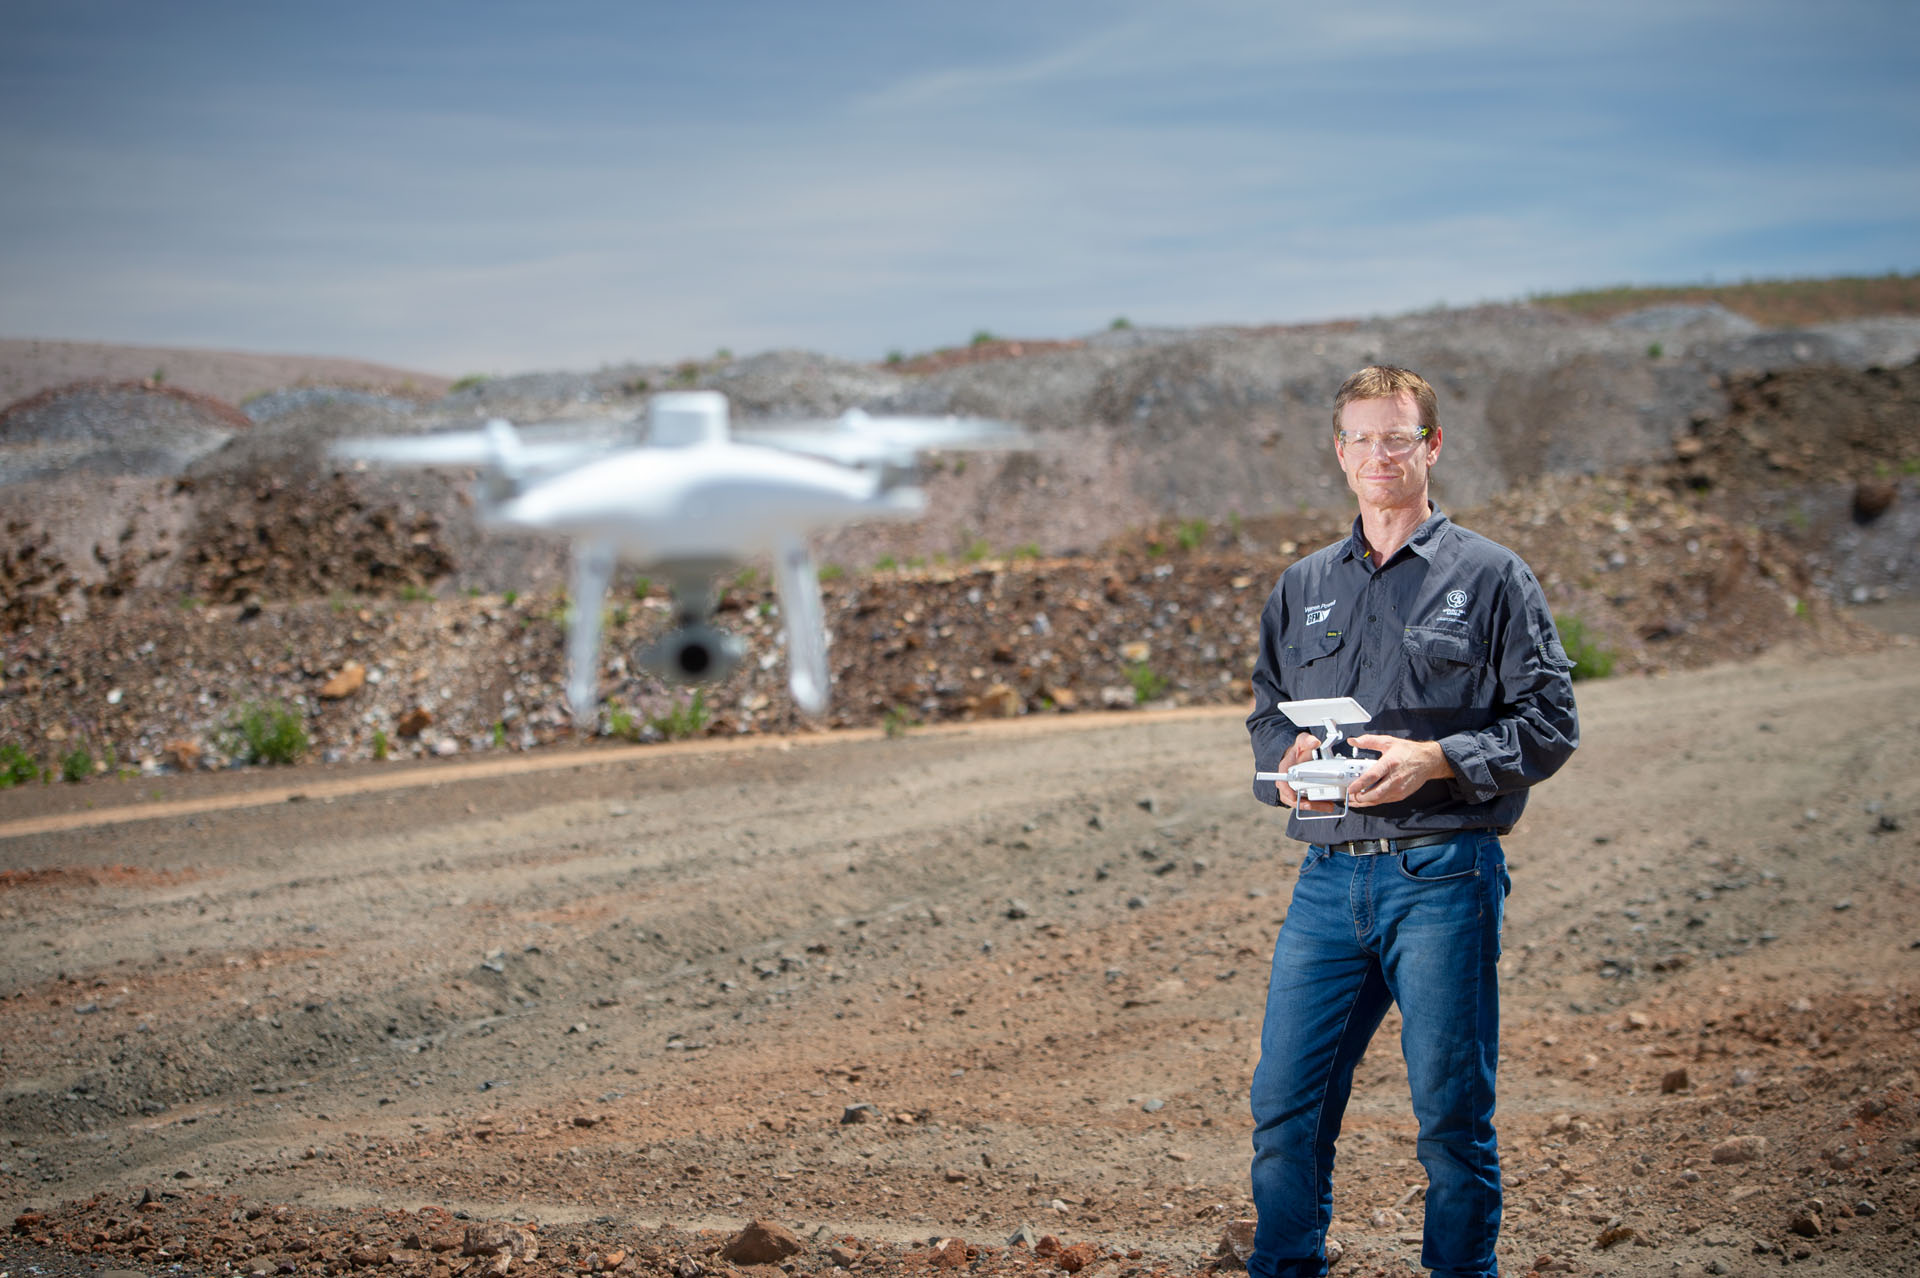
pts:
[882, 990]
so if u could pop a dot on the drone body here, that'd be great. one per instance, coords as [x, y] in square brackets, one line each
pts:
[692, 503]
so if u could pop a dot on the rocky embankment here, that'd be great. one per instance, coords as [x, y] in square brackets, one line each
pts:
[1690, 489]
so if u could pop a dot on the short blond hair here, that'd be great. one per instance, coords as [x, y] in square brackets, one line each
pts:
[1386, 381]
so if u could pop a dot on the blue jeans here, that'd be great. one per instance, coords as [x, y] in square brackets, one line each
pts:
[1420, 928]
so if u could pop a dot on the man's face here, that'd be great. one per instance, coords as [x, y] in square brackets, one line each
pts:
[1378, 475]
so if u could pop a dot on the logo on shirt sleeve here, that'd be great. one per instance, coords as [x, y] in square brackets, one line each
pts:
[1317, 613]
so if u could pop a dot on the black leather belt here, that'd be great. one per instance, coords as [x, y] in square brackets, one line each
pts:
[1387, 847]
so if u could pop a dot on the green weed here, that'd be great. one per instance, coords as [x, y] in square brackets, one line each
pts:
[17, 767]
[686, 720]
[1192, 534]
[379, 745]
[76, 764]
[897, 720]
[468, 382]
[1591, 658]
[1148, 683]
[266, 732]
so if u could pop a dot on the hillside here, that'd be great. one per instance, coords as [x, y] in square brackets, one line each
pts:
[1737, 490]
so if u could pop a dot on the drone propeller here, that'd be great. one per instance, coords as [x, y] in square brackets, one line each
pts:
[857, 438]
[499, 445]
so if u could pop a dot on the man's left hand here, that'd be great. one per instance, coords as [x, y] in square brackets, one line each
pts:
[1403, 767]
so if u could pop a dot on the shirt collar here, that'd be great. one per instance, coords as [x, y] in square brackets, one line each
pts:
[1424, 542]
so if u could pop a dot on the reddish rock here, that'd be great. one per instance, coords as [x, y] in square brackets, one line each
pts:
[761, 1243]
[1739, 1149]
[414, 722]
[351, 678]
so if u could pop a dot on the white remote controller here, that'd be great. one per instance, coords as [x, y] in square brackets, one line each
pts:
[1324, 778]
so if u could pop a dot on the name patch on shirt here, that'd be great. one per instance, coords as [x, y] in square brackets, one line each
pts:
[1317, 613]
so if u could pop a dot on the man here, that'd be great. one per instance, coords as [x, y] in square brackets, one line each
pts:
[1445, 638]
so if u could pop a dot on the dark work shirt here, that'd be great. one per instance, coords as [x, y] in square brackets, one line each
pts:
[1450, 640]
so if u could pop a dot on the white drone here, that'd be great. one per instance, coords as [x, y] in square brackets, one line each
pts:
[693, 502]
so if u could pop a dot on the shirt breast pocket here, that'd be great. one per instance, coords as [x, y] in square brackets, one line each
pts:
[1311, 666]
[1445, 668]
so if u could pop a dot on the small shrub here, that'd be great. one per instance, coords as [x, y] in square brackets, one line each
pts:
[642, 587]
[266, 732]
[832, 572]
[1027, 550]
[499, 734]
[468, 382]
[511, 598]
[1191, 534]
[982, 336]
[686, 720]
[621, 723]
[897, 720]
[1120, 323]
[76, 764]
[885, 563]
[1591, 659]
[1148, 683]
[379, 745]
[976, 550]
[415, 594]
[17, 767]
[1655, 350]
[895, 357]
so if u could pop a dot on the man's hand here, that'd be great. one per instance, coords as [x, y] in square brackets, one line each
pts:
[1304, 747]
[1403, 767]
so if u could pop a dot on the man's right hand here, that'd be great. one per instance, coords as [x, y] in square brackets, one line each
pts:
[1304, 747]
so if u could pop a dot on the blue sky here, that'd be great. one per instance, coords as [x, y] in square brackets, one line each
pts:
[495, 187]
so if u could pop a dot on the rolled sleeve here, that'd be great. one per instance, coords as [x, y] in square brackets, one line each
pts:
[1535, 728]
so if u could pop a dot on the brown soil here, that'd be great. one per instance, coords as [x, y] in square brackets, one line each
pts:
[882, 991]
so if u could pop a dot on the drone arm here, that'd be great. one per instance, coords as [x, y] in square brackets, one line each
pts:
[592, 570]
[799, 586]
